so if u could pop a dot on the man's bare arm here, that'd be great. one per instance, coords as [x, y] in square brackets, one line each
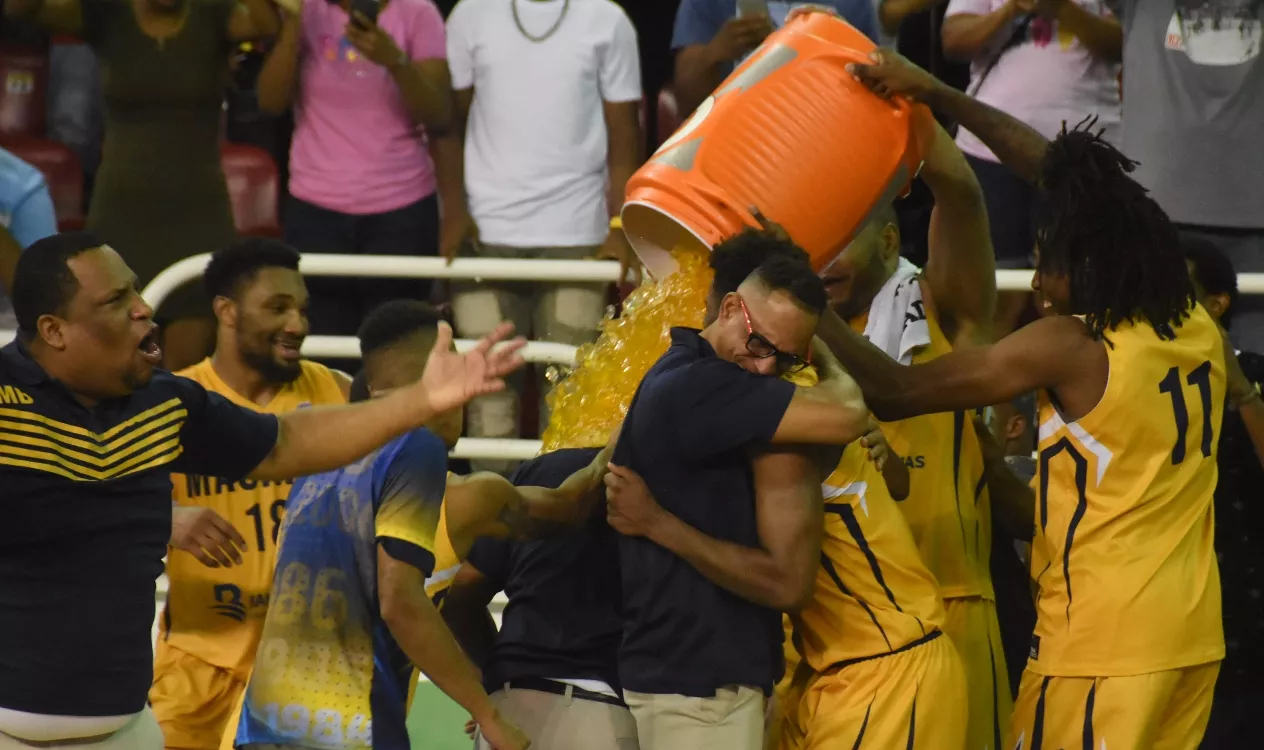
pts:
[961, 266]
[425, 639]
[778, 574]
[1049, 353]
[465, 611]
[833, 412]
[1013, 500]
[1015, 143]
[487, 504]
[1101, 35]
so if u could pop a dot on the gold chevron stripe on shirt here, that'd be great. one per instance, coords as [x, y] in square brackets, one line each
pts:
[149, 439]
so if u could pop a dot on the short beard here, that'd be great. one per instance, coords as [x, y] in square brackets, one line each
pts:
[271, 371]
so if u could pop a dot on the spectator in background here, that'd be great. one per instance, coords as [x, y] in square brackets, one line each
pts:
[1046, 62]
[369, 100]
[1193, 118]
[75, 115]
[1239, 519]
[548, 95]
[712, 36]
[1008, 444]
[160, 194]
[26, 216]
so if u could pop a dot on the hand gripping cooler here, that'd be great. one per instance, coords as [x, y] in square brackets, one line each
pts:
[790, 132]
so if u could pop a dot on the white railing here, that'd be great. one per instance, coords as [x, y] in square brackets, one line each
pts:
[480, 269]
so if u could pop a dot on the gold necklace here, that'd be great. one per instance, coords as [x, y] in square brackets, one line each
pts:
[513, 4]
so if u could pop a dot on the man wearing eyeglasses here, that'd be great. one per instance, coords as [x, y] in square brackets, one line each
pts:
[697, 662]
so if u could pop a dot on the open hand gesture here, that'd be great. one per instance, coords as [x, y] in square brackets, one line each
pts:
[451, 380]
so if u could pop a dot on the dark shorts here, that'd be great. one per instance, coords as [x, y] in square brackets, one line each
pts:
[1009, 204]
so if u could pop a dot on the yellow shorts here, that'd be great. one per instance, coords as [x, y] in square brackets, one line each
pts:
[191, 699]
[1158, 711]
[972, 625]
[912, 699]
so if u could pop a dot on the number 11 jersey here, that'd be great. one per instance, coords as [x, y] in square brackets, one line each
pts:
[215, 614]
[1123, 552]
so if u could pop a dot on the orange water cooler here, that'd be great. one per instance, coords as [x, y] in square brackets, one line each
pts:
[789, 132]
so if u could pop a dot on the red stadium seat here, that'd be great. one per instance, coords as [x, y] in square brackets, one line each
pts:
[252, 187]
[23, 98]
[62, 172]
[668, 117]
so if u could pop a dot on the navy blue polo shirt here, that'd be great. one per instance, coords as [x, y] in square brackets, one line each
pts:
[87, 518]
[689, 433]
[562, 620]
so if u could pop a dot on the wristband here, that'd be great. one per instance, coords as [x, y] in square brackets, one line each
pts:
[616, 223]
[1253, 395]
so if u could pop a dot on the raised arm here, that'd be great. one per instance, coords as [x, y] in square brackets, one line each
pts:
[960, 269]
[278, 79]
[58, 16]
[310, 441]
[1101, 35]
[253, 19]
[1051, 353]
[965, 35]
[708, 44]
[424, 83]
[778, 574]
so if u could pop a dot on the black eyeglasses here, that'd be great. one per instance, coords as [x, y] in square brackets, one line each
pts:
[761, 347]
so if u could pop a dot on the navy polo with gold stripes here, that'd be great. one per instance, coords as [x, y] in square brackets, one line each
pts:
[86, 520]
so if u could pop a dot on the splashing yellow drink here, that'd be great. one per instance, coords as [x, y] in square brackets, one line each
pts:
[589, 402]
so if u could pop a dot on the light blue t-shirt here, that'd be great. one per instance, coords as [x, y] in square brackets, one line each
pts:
[26, 211]
[698, 21]
[328, 672]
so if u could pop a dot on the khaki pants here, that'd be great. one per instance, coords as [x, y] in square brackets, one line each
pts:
[559, 313]
[561, 722]
[142, 733]
[732, 720]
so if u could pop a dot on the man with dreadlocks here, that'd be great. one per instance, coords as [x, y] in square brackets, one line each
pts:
[1131, 370]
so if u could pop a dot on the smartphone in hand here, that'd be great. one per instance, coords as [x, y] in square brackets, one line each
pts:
[752, 8]
[368, 8]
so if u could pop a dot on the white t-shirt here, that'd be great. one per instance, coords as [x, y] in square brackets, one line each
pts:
[536, 146]
[1047, 79]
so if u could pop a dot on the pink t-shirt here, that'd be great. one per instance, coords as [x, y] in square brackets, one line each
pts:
[356, 150]
[1048, 79]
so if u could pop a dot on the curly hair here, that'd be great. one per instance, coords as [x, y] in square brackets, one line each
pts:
[1103, 231]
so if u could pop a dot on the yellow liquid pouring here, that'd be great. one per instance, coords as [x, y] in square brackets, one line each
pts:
[587, 403]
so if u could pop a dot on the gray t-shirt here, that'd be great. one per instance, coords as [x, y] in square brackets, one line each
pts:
[1194, 107]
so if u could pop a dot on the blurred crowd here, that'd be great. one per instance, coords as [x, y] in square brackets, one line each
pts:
[508, 128]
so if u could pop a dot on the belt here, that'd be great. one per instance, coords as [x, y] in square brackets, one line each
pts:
[541, 685]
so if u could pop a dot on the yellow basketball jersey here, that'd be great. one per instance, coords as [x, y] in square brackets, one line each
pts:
[1123, 551]
[216, 614]
[948, 509]
[873, 595]
[447, 563]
